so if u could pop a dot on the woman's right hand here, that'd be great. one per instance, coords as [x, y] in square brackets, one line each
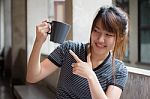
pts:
[41, 31]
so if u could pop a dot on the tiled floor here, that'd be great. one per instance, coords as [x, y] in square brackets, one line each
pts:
[5, 90]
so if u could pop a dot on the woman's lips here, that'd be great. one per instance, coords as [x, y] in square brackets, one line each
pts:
[100, 45]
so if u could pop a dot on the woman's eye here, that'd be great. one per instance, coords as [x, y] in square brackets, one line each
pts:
[107, 34]
[95, 30]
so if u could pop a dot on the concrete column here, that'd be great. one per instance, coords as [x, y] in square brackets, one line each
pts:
[133, 36]
[69, 17]
[19, 41]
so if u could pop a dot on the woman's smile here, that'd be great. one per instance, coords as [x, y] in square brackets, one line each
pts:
[99, 45]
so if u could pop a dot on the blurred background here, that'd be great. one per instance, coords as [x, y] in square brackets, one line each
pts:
[18, 19]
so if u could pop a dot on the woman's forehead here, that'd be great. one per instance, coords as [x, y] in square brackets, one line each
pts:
[102, 25]
[99, 24]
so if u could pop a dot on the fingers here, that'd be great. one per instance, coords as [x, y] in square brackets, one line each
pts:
[74, 67]
[43, 27]
[75, 56]
[44, 21]
[41, 32]
[47, 23]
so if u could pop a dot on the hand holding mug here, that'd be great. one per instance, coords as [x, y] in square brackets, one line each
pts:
[41, 31]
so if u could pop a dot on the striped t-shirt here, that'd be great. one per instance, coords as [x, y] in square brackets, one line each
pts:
[71, 86]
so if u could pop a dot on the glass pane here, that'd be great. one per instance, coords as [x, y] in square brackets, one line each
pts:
[144, 10]
[144, 31]
[145, 46]
[60, 11]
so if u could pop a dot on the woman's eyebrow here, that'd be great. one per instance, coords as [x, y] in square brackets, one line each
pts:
[97, 27]
[100, 29]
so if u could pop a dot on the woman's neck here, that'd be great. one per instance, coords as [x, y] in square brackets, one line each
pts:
[97, 59]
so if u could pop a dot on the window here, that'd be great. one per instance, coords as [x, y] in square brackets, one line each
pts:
[144, 31]
[57, 10]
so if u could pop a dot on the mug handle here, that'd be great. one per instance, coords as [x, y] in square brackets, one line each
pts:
[50, 23]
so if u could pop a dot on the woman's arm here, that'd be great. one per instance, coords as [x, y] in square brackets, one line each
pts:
[113, 92]
[36, 70]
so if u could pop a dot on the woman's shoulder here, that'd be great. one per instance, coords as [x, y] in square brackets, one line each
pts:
[118, 62]
[120, 66]
[73, 44]
[70, 42]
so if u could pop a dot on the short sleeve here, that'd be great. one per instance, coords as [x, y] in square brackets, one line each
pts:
[59, 53]
[121, 76]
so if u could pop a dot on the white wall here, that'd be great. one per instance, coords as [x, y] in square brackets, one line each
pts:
[37, 11]
[1, 25]
[84, 12]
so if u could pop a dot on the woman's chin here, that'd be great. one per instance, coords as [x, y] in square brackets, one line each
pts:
[99, 51]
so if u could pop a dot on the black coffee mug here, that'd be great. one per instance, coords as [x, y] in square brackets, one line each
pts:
[59, 31]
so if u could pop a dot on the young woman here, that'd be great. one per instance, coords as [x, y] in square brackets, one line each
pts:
[88, 71]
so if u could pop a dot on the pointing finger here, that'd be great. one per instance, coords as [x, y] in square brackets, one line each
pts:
[75, 56]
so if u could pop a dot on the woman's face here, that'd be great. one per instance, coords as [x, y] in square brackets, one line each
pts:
[102, 41]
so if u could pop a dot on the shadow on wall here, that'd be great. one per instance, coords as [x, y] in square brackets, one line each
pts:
[2, 63]
[14, 73]
[7, 62]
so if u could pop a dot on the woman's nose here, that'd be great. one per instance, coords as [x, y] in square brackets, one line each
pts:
[101, 38]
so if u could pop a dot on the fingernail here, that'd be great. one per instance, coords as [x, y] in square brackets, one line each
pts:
[70, 50]
[72, 65]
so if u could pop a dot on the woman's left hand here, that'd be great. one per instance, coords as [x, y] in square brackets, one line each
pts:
[80, 68]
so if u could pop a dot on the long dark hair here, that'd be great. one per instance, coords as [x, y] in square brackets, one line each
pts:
[114, 20]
